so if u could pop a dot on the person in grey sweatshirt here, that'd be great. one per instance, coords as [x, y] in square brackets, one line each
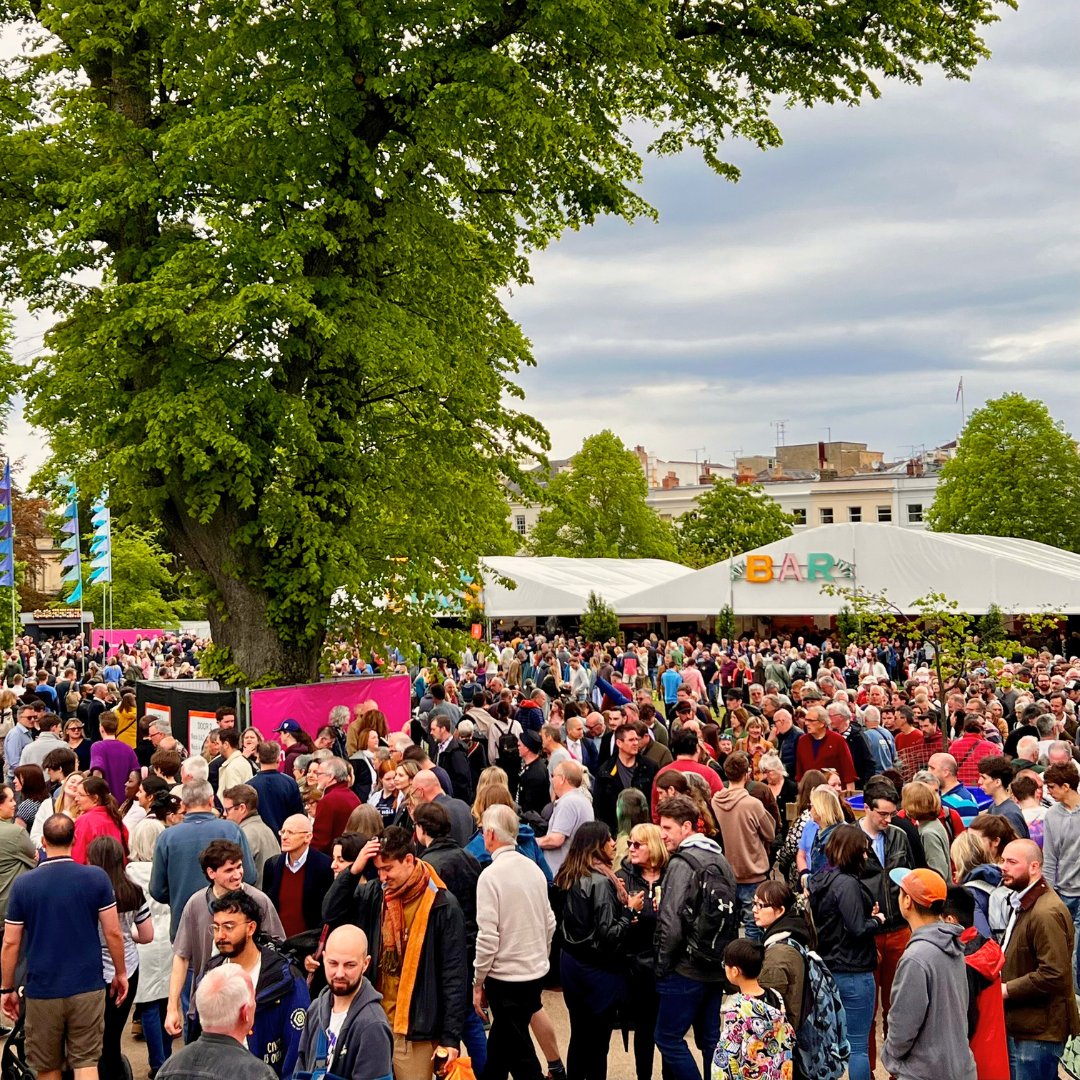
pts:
[928, 1018]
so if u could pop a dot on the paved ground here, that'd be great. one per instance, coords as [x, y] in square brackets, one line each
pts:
[620, 1062]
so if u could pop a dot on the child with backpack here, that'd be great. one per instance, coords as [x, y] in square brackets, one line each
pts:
[755, 1036]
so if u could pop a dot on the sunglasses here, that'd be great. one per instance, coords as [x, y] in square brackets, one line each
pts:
[635, 844]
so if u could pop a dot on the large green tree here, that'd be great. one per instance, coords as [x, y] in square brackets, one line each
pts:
[729, 519]
[1016, 473]
[597, 509]
[277, 237]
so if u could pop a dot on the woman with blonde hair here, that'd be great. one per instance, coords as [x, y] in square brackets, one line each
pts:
[825, 814]
[404, 775]
[922, 805]
[973, 865]
[754, 744]
[642, 871]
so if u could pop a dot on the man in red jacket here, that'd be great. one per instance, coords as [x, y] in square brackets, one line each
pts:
[986, 1011]
[338, 801]
[824, 749]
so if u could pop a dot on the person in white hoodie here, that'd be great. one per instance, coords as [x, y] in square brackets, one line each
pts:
[155, 958]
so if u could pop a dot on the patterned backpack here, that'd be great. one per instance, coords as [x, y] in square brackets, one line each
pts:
[821, 1043]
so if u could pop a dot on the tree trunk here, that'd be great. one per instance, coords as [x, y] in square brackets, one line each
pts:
[239, 611]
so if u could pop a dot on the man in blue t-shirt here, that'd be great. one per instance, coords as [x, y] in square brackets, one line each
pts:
[53, 914]
[670, 681]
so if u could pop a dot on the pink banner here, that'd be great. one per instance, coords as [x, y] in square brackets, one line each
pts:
[124, 637]
[310, 705]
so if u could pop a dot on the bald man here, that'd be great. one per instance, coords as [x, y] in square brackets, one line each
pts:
[427, 788]
[1037, 980]
[346, 1025]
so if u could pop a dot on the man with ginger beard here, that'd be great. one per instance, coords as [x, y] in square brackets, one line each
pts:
[346, 1024]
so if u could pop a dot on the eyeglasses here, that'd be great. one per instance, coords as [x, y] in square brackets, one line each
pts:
[635, 844]
[757, 905]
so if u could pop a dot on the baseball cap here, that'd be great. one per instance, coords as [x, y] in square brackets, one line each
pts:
[291, 726]
[925, 887]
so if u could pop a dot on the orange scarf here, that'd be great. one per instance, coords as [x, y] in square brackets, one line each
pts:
[402, 945]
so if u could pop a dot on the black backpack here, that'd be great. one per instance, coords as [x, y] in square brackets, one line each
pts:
[713, 912]
[509, 756]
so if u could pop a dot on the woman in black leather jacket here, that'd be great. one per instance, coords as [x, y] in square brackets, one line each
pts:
[642, 871]
[846, 917]
[597, 915]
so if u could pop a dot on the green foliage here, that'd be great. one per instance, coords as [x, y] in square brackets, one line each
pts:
[991, 628]
[277, 240]
[597, 510]
[215, 662]
[598, 621]
[1016, 473]
[141, 581]
[935, 621]
[847, 626]
[725, 623]
[729, 519]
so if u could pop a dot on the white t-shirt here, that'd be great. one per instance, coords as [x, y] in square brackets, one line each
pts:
[128, 921]
[337, 1020]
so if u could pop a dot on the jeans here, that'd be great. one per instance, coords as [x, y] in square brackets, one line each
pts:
[1073, 904]
[1030, 1059]
[686, 1003]
[473, 1035]
[857, 994]
[745, 894]
[592, 999]
[510, 1047]
[158, 1043]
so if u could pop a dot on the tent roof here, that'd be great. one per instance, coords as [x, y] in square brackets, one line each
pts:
[557, 586]
[976, 571]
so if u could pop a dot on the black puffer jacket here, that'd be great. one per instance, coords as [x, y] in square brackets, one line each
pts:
[641, 937]
[841, 904]
[594, 924]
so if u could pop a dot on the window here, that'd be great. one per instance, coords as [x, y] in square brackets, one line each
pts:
[884, 513]
[854, 513]
[826, 515]
[914, 513]
[519, 524]
[799, 514]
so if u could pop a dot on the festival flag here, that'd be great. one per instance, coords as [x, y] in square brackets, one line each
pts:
[101, 546]
[70, 543]
[7, 534]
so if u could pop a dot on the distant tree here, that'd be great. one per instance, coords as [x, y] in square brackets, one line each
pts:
[729, 519]
[725, 623]
[1016, 473]
[142, 579]
[597, 510]
[599, 621]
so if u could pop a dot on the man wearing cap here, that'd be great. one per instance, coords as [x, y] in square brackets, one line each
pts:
[928, 1019]
[1037, 980]
[534, 784]
[288, 730]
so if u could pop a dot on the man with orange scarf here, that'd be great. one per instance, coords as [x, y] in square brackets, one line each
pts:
[417, 934]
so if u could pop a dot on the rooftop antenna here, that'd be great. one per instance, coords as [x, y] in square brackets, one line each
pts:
[697, 450]
[735, 457]
[781, 427]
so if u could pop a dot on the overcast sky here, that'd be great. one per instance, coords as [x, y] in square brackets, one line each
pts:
[848, 280]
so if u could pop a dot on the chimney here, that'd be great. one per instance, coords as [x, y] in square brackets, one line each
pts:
[827, 474]
[821, 455]
[670, 481]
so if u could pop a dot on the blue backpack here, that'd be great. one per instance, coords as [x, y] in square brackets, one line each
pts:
[821, 1043]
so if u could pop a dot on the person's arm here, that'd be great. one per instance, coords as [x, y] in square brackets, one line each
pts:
[295, 1015]
[849, 907]
[1052, 970]
[452, 960]
[249, 862]
[142, 930]
[9, 957]
[174, 1022]
[159, 872]
[551, 840]
[766, 825]
[1050, 858]
[114, 942]
[487, 928]
[846, 767]
[670, 933]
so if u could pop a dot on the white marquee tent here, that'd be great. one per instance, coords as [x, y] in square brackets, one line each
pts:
[557, 586]
[785, 578]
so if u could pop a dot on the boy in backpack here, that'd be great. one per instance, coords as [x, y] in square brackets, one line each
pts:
[695, 923]
[755, 1038]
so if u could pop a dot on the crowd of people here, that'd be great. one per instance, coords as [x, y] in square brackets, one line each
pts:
[755, 850]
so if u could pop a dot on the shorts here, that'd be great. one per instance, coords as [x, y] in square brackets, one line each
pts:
[59, 1029]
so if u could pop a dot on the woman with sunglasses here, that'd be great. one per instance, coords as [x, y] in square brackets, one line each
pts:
[642, 871]
[596, 921]
[73, 736]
